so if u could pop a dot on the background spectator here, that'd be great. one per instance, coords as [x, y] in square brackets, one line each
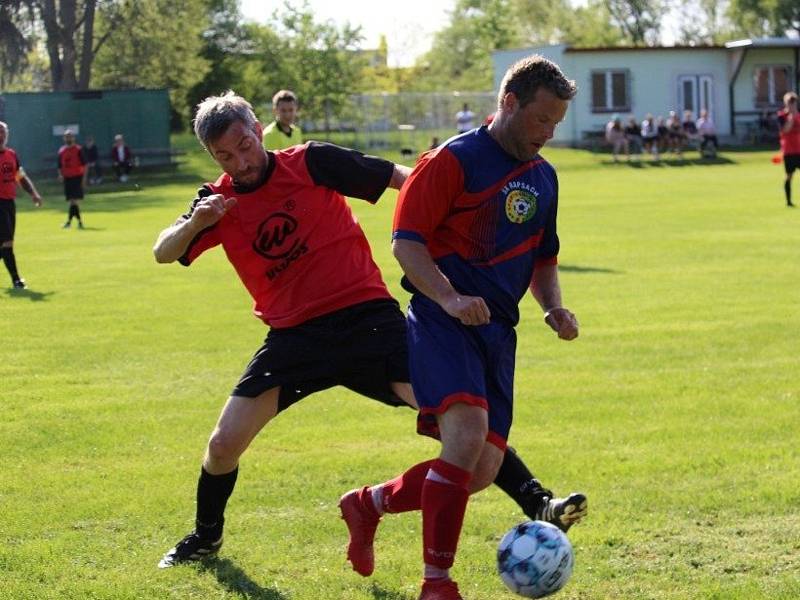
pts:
[615, 135]
[92, 156]
[633, 133]
[121, 158]
[708, 134]
[650, 135]
[283, 132]
[464, 119]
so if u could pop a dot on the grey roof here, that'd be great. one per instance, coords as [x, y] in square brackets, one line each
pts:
[773, 42]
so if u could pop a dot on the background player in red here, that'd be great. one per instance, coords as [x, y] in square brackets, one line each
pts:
[789, 123]
[11, 174]
[475, 228]
[71, 167]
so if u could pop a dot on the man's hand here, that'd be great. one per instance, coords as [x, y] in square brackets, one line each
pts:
[210, 210]
[37, 200]
[470, 310]
[563, 322]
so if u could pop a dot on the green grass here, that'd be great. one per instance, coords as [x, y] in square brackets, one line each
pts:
[676, 410]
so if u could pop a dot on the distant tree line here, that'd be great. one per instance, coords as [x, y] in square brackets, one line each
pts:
[202, 47]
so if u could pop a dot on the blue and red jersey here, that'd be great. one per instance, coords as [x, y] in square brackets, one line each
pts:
[293, 239]
[486, 218]
[9, 174]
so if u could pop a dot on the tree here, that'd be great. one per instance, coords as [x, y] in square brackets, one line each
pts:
[759, 18]
[638, 20]
[68, 28]
[546, 22]
[150, 50]
[16, 39]
[320, 61]
[461, 56]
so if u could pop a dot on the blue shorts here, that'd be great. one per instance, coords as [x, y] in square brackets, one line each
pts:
[450, 363]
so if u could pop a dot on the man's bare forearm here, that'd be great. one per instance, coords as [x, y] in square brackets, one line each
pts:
[173, 242]
[545, 286]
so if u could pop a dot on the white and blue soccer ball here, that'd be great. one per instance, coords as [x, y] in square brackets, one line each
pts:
[535, 559]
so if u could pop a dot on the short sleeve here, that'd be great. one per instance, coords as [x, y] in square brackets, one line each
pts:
[206, 239]
[427, 196]
[550, 244]
[347, 171]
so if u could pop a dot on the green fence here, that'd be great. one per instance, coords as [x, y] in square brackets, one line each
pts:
[37, 121]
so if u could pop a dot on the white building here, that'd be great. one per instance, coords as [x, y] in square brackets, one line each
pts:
[736, 82]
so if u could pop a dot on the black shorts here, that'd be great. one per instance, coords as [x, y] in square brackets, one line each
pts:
[362, 348]
[791, 162]
[8, 220]
[73, 188]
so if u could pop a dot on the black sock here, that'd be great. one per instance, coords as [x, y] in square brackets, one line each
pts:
[787, 187]
[78, 213]
[516, 480]
[213, 492]
[10, 262]
[71, 213]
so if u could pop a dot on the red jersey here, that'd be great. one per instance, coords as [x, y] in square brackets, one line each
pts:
[790, 142]
[9, 174]
[70, 161]
[293, 239]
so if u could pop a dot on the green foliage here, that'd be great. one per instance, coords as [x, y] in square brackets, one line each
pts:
[758, 18]
[460, 58]
[152, 51]
[559, 22]
[320, 61]
[638, 20]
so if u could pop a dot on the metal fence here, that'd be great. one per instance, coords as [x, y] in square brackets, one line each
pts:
[406, 121]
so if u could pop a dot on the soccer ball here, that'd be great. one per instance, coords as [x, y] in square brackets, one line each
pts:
[535, 559]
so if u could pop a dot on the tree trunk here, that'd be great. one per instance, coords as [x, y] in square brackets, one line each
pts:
[69, 56]
[87, 52]
[53, 31]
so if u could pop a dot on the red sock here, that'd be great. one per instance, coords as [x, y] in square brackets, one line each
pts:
[404, 492]
[443, 508]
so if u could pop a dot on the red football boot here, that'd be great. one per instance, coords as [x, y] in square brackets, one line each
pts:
[362, 520]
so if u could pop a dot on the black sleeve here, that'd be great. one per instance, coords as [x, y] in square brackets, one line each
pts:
[347, 171]
[203, 192]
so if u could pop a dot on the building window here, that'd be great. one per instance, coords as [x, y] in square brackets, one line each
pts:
[610, 91]
[771, 83]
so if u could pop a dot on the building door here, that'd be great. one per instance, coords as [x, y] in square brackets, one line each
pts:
[696, 93]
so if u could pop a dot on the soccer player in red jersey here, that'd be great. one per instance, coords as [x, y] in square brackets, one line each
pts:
[474, 230]
[71, 167]
[285, 226]
[789, 122]
[11, 174]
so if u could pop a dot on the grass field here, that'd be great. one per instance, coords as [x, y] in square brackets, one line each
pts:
[676, 410]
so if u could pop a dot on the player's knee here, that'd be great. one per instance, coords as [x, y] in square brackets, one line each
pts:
[486, 471]
[224, 447]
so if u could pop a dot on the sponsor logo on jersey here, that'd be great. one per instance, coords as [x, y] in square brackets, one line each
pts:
[275, 238]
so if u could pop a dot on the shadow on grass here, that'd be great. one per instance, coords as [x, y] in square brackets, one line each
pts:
[31, 295]
[672, 161]
[380, 593]
[235, 580]
[580, 269]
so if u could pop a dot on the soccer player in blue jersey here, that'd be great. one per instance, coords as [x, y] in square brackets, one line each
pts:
[475, 228]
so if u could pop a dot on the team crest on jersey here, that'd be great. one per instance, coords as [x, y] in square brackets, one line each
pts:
[520, 201]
